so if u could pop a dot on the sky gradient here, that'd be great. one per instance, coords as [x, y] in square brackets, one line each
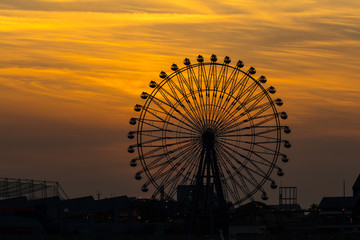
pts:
[71, 72]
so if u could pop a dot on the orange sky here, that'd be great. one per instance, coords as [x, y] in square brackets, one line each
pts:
[71, 72]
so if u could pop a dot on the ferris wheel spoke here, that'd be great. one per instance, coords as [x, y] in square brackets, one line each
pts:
[230, 158]
[217, 100]
[213, 79]
[221, 76]
[238, 85]
[152, 133]
[173, 88]
[251, 180]
[149, 143]
[269, 128]
[247, 92]
[149, 133]
[253, 107]
[253, 104]
[199, 111]
[167, 175]
[202, 73]
[187, 85]
[168, 114]
[186, 179]
[258, 143]
[266, 118]
[242, 186]
[222, 112]
[229, 141]
[194, 105]
[150, 122]
[218, 78]
[226, 140]
[159, 103]
[161, 163]
[212, 75]
[198, 83]
[248, 170]
[150, 154]
[191, 80]
[202, 106]
[159, 157]
[268, 150]
[193, 161]
[179, 150]
[161, 135]
[258, 134]
[229, 81]
[173, 179]
[217, 107]
[233, 189]
[164, 145]
[201, 76]
[190, 122]
[230, 115]
[194, 117]
[243, 95]
[195, 80]
[225, 81]
[223, 179]
[266, 162]
[154, 148]
[257, 170]
[266, 139]
[201, 79]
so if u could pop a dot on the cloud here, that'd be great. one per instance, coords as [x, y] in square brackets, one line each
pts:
[77, 56]
[149, 6]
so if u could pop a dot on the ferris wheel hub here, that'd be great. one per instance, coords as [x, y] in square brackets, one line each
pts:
[208, 138]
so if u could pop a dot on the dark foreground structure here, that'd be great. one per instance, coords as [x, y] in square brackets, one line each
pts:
[133, 218]
[129, 218]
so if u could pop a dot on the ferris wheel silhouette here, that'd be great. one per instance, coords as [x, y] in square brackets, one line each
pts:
[212, 126]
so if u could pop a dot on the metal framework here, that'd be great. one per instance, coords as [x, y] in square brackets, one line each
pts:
[32, 189]
[210, 125]
[287, 195]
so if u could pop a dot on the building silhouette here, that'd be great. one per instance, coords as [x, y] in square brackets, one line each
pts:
[123, 217]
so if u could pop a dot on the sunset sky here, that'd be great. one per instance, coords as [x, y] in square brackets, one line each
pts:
[72, 70]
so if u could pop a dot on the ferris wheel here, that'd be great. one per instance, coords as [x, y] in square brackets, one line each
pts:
[209, 123]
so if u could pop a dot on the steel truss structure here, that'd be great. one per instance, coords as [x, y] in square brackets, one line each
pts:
[32, 189]
[210, 125]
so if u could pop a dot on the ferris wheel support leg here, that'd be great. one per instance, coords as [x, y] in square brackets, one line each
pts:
[196, 193]
[223, 211]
